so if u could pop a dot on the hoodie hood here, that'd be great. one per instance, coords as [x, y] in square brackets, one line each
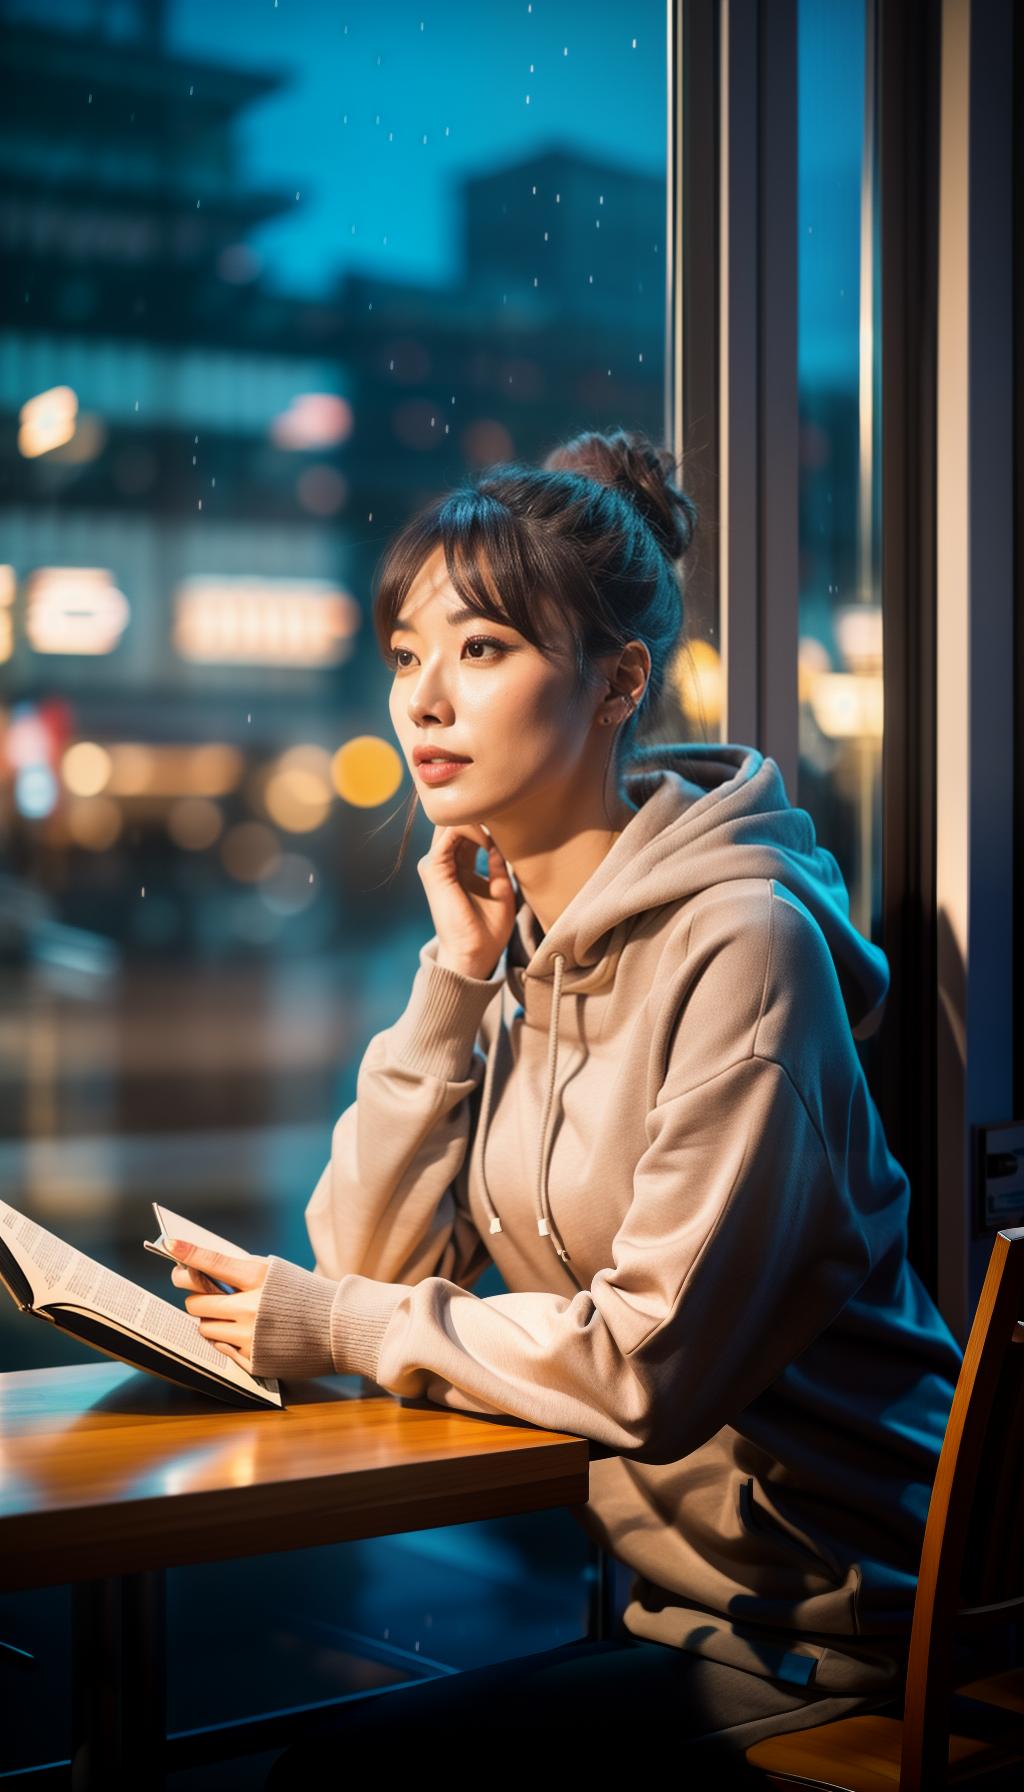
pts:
[709, 812]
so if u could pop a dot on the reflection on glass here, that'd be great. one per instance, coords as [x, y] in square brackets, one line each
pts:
[840, 657]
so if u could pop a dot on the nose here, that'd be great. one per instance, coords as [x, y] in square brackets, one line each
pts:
[427, 704]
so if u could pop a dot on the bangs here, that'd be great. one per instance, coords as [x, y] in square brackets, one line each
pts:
[490, 560]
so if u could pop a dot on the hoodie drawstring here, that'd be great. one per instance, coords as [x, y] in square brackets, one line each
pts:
[485, 1110]
[545, 1221]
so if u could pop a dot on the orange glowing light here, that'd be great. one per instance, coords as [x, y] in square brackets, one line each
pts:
[367, 771]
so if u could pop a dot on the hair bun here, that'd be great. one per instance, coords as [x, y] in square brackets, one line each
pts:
[631, 463]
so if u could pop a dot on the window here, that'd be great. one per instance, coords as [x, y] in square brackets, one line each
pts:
[840, 661]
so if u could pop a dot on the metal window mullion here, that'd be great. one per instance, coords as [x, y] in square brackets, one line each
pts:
[691, 387]
[778, 434]
[758, 398]
[903, 1052]
[974, 573]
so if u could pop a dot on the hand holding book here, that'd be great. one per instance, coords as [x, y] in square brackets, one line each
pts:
[228, 1319]
[205, 1351]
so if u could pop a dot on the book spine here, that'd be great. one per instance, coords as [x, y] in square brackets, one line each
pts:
[12, 1274]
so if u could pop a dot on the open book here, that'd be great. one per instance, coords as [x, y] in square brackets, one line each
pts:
[46, 1276]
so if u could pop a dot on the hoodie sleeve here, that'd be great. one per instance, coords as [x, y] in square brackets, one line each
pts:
[391, 1202]
[737, 1249]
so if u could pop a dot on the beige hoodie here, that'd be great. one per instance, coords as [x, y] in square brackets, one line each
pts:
[655, 1122]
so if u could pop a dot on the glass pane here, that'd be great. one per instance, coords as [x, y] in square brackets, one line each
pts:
[840, 605]
[276, 274]
[284, 272]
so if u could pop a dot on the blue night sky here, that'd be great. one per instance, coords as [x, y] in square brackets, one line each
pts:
[369, 80]
[425, 69]
[830, 77]
[467, 69]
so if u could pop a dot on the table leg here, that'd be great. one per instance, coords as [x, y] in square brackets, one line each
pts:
[118, 1713]
[602, 1613]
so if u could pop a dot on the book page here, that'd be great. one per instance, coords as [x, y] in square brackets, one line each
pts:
[175, 1225]
[61, 1275]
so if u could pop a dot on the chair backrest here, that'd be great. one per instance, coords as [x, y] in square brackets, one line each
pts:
[972, 1558]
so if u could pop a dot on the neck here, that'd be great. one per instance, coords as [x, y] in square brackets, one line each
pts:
[551, 875]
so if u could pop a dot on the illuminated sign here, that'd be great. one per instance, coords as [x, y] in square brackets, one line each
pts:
[237, 619]
[74, 609]
[47, 421]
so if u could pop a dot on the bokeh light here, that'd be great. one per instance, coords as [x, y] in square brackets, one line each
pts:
[297, 793]
[47, 420]
[813, 660]
[74, 609]
[216, 769]
[697, 676]
[194, 823]
[250, 852]
[94, 822]
[134, 771]
[367, 771]
[35, 791]
[85, 768]
[313, 420]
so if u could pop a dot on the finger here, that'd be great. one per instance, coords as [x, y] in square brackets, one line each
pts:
[443, 829]
[194, 1279]
[486, 884]
[218, 1328]
[239, 1356]
[241, 1272]
[464, 858]
[210, 1306]
[205, 1284]
[460, 851]
[466, 834]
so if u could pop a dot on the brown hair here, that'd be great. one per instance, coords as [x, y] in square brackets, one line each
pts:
[602, 523]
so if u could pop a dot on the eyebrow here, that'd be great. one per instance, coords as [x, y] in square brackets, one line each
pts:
[453, 617]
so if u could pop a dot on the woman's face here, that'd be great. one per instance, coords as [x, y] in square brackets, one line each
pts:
[479, 688]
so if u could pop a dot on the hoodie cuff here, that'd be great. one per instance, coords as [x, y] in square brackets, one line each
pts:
[308, 1325]
[292, 1328]
[437, 1030]
[362, 1311]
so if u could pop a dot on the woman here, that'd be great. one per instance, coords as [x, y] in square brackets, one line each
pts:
[626, 1074]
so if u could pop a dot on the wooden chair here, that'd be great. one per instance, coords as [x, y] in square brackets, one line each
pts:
[971, 1577]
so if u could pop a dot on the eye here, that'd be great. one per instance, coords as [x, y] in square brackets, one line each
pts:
[485, 641]
[399, 664]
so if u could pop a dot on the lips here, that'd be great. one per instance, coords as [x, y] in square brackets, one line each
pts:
[432, 756]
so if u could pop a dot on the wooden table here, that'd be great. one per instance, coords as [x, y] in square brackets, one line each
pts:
[109, 1476]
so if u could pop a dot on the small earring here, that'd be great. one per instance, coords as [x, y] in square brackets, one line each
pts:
[630, 706]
